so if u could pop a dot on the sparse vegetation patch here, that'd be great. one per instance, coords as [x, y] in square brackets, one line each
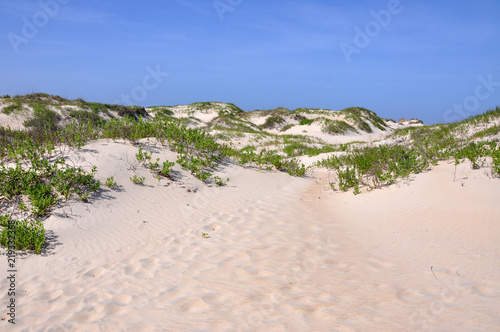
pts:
[272, 121]
[337, 127]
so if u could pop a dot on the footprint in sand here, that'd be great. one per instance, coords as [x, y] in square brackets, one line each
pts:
[72, 290]
[196, 305]
[113, 309]
[94, 273]
[412, 296]
[51, 295]
[73, 304]
[132, 268]
[167, 240]
[375, 265]
[89, 314]
[37, 309]
[148, 263]
[122, 299]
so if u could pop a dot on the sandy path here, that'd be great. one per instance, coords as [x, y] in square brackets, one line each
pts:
[283, 254]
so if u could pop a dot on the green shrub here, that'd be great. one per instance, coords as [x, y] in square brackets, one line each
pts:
[306, 122]
[494, 130]
[41, 181]
[137, 180]
[230, 123]
[166, 168]
[272, 121]
[44, 118]
[335, 127]
[496, 161]
[41, 197]
[142, 156]
[203, 106]
[26, 235]
[348, 179]
[375, 166]
[220, 182]
[166, 112]
[294, 168]
[295, 149]
[12, 108]
[359, 114]
[153, 165]
[474, 152]
[110, 182]
[133, 112]
[86, 116]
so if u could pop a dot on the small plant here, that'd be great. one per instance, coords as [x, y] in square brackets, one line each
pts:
[166, 168]
[110, 182]
[488, 132]
[22, 206]
[294, 168]
[84, 197]
[337, 127]
[272, 121]
[137, 180]
[203, 176]
[496, 161]
[44, 118]
[154, 165]
[95, 184]
[4, 220]
[12, 108]
[87, 116]
[42, 199]
[205, 235]
[219, 181]
[356, 189]
[143, 157]
[347, 179]
[306, 122]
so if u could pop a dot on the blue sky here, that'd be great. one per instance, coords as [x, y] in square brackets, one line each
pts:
[434, 60]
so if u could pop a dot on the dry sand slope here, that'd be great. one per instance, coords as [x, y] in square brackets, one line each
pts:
[283, 254]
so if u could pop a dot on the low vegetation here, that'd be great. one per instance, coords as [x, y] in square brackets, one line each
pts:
[35, 178]
[374, 167]
[43, 118]
[16, 107]
[337, 127]
[273, 121]
[418, 148]
[361, 116]
[22, 234]
[306, 122]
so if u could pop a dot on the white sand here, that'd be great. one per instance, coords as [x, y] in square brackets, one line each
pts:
[13, 121]
[283, 254]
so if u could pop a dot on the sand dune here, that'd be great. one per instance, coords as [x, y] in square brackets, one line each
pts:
[280, 254]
